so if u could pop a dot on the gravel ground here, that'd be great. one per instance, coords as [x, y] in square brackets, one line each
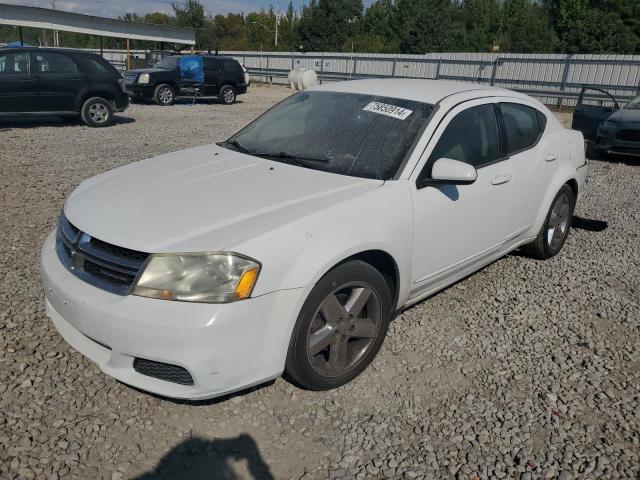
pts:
[525, 370]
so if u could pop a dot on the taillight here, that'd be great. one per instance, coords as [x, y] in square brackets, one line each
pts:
[123, 85]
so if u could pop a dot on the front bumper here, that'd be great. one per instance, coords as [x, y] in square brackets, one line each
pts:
[608, 143]
[140, 90]
[224, 348]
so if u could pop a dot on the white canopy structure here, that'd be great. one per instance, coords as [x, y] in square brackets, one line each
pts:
[36, 17]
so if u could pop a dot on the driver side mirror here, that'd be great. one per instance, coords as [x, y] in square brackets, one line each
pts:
[447, 170]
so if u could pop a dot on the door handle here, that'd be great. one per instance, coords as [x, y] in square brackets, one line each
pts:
[550, 157]
[500, 179]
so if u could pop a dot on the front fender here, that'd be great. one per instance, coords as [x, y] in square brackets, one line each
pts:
[298, 254]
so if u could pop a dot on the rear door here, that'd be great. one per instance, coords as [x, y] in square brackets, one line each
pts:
[212, 75]
[58, 80]
[594, 106]
[17, 89]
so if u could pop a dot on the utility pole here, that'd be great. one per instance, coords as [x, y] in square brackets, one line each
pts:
[277, 14]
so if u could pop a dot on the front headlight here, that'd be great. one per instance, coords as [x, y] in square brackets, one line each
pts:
[143, 78]
[198, 277]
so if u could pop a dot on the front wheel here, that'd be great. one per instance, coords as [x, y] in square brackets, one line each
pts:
[341, 327]
[556, 226]
[164, 95]
[228, 95]
[97, 112]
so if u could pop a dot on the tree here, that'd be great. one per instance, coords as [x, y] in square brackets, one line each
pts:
[427, 25]
[328, 25]
[526, 28]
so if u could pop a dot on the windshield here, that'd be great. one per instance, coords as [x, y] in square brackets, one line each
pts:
[349, 134]
[168, 63]
[635, 103]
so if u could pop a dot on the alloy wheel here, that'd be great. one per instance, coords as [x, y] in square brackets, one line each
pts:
[165, 94]
[558, 225]
[343, 329]
[99, 113]
[228, 95]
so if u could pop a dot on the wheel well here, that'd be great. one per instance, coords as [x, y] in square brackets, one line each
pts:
[574, 186]
[386, 265]
[103, 94]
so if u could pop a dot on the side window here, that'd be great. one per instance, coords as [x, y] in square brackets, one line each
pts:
[92, 65]
[211, 64]
[522, 126]
[231, 66]
[50, 62]
[471, 137]
[14, 63]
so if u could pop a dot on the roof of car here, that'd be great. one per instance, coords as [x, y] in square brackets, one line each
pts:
[427, 91]
[45, 49]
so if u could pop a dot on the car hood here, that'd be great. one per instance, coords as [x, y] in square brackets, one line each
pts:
[202, 199]
[626, 115]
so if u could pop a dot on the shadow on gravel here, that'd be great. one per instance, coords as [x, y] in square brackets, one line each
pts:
[589, 224]
[201, 459]
[9, 123]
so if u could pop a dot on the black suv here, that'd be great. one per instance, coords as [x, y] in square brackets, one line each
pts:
[224, 78]
[50, 81]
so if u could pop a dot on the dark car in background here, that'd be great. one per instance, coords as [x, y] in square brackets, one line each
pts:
[224, 78]
[608, 128]
[47, 81]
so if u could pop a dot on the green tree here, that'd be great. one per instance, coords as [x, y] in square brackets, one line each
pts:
[427, 26]
[526, 28]
[329, 25]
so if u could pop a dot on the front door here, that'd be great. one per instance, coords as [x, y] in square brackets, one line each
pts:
[458, 228]
[17, 90]
[58, 81]
[593, 107]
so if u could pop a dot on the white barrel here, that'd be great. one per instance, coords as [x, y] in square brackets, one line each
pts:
[302, 78]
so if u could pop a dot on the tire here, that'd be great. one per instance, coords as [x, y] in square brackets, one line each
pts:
[227, 95]
[593, 152]
[97, 112]
[556, 226]
[164, 95]
[326, 323]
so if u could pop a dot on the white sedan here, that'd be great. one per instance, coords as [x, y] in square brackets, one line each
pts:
[290, 247]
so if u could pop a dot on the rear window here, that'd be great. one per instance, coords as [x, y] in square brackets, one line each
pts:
[231, 66]
[522, 126]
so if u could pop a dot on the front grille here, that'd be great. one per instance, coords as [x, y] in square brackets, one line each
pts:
[99, 263]
[162, 371]
[628, 135]
[130, 78]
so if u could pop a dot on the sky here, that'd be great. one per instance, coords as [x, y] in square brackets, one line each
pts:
[115, 8]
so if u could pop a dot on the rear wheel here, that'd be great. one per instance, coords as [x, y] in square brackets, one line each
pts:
[556, 227]
[164, 95]
[227, 95]
[97, 112]
[341, 327]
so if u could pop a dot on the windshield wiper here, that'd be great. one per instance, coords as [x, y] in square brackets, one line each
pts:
[292, 158]
[238, 146]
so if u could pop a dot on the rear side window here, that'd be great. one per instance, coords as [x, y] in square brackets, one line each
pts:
[14, 63]
[93, 65]
[471, 137]
[522, 126]
[231, 66]
[50, 62]
[211, 64]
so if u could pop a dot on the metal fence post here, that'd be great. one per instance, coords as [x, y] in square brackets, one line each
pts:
[565, 76]
[355, 66]
[395, 62]
[270, 77]
[438, 68]
[494, 70]
[321, 68]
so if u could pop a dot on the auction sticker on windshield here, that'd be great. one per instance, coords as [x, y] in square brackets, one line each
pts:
[388, 110]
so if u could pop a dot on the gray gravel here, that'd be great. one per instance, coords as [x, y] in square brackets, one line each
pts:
[525, 370]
